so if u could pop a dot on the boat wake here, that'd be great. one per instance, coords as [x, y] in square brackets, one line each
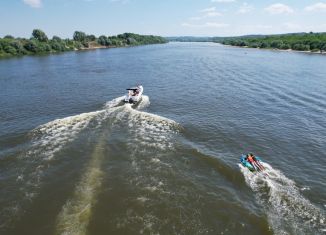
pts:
[142, 128]
[288, 211]
[44, 147]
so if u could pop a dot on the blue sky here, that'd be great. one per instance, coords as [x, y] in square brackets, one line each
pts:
[161, 17]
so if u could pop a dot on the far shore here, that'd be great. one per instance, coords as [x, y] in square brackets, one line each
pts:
[282, 50]
[40, 44]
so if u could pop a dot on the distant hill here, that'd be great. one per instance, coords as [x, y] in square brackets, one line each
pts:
[189, 39]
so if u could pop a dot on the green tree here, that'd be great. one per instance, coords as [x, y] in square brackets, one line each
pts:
[79, 36]
[277, 43]
[8, 37]
[131, 41]
[44, 47]
[56, 38]
[102, 40]
[300, 47]
[243, 43]
[315, 45]
[285, 47]
[108, 42]
[39, 35]
[58, 46]
[91, 37]
[4, 43]
[264, 45]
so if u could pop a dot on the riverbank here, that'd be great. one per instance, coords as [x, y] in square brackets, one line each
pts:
[40, 44]
[281, 50]
[299, 42]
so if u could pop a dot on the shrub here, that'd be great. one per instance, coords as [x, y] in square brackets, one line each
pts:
[10, 50]
[31, 46]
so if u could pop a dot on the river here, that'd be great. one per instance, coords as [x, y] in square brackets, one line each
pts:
[74, 161]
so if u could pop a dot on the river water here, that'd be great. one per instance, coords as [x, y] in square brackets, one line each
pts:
[75, 161]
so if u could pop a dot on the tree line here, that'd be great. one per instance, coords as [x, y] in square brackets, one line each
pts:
[314, 42]
[39, 43]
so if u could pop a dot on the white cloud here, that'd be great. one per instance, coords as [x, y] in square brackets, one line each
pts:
[206, 25]
[211, 9]
[316, 7]
[212, 14]
[245, 8]
[279, 8]
[223, 1]
[33, 3]
[206, 13]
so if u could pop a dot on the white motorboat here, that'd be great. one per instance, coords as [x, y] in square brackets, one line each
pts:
[134, 94]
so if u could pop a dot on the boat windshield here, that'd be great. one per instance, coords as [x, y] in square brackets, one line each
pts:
[133, 88]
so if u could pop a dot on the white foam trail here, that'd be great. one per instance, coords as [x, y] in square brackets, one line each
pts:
[149, 137]
[288, 211]
[47, 140]
[144, 103]
[113, 103]
[53, 136]
[76, 213]
[148, 129]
